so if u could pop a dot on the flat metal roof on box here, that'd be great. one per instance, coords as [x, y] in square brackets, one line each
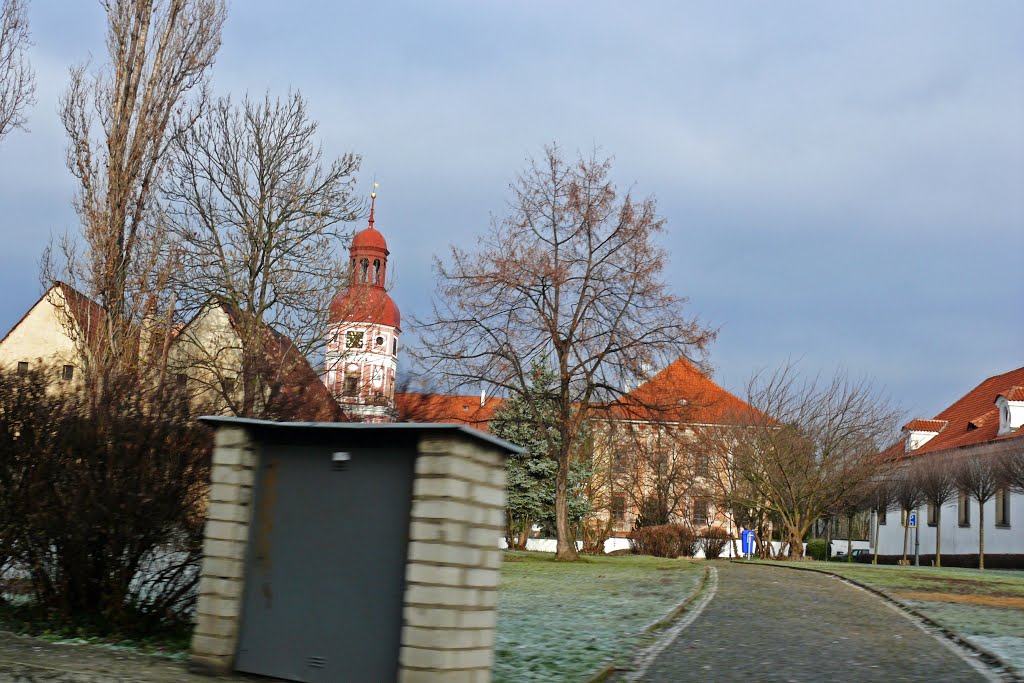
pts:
[364, 427]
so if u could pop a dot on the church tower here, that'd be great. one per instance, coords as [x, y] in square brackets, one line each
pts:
[362, 343]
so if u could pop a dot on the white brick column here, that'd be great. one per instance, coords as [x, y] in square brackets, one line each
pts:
[453, 565]
[218, 609]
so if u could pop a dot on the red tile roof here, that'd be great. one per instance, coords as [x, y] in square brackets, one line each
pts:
[1013, 394]
[413, 407]
[681, 393]
[921, 425]
[973, 419]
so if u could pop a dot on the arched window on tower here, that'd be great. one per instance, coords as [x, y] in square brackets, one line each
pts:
[376, 271]
[364, 268]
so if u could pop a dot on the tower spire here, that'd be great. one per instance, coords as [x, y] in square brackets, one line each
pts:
[373, 201]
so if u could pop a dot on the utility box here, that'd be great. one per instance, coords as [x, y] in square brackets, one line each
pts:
[351, 552]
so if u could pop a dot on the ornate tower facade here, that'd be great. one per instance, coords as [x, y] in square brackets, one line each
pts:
[362, 344]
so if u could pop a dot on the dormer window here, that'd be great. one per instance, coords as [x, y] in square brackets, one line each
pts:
[919, 432]
[1011, 410]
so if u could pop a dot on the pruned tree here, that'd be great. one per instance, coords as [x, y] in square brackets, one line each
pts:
[933, 475]
[1011, 469]
[908, 495]
[881, 493]
[977, 476]
[17, 81]
[809, 444]
[571, 273]
[121, 121]
[257, 215]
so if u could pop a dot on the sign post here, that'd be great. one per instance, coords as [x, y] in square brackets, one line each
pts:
[747, 538]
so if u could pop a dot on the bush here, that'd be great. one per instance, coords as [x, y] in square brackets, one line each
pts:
[817, 548]
[689, 542]
[665, 540]
[659, 541]
[713, 542]
[101, 501]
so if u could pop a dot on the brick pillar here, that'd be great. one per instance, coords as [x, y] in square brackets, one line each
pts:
[218, 609]
[453, 565]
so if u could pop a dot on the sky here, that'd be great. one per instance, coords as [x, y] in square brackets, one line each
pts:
[843, 183]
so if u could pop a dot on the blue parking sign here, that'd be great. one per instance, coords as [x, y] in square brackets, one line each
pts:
[912, 520]
[747, 539]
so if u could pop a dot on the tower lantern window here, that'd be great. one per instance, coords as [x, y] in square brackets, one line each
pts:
[364, 268]
[376, 271]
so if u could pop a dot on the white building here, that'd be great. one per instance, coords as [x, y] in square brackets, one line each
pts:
[985, 422]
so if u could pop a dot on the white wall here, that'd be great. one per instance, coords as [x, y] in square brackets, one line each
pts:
[957, 540]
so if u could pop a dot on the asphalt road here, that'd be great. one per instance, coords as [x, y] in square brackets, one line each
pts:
[771, 624]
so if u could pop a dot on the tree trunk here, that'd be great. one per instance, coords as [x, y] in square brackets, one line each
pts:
[981, 535]
[849, 538]
[524, 535]
[796, 545]
[566, 544]
[906, 534]
[878, 519]
[938, 535]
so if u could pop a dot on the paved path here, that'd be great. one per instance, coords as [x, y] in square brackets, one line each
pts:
[773, 624]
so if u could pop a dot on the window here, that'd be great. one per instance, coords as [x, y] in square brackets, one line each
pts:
[1002, 507]
[376, 271]
[181, 381]
[963, 512]
[351, 387]
[379, 342]
[881, 516]
[933, 517]
[364, 268]
[22, 367]
[619, 461]
[354, 339]
[699, 511]
[67, 373]
[700, 465]
[394, 347]
[618, 509]
[229, 386]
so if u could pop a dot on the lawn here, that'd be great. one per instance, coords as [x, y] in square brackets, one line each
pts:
[562, 621]
[986, 607]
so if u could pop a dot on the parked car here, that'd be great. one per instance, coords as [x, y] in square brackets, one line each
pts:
[858, 554]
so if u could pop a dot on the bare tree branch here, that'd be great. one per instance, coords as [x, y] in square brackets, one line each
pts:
[17, 82]
[570, 278]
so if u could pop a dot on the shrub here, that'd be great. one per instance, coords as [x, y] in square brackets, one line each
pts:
[659, 541]
[689, 542]
[101, 500]
[818, 549]
[713, 542]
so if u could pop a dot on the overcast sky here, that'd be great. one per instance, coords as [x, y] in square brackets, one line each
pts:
[843, 182]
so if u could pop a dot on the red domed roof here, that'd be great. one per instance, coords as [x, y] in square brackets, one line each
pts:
[366, 304]
[369, 238]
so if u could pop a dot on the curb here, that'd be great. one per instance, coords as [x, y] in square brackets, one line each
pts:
[991, 660]
[605, 672]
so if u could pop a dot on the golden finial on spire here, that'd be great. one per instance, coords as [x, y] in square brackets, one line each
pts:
[373, 200]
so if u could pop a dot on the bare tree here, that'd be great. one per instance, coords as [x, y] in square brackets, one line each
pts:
[120, 123]
[1011, 469]
[977, 476]
[573, 274]
[934, 477]
[809, 444]
[908, 495]
[256, 216]
[656, 471]
[17, 82]
[881, 493]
